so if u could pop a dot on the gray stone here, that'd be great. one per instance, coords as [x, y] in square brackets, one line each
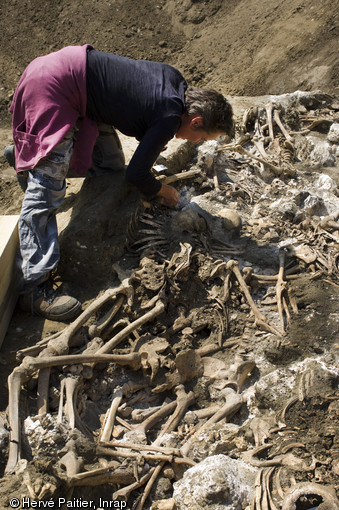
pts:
[217, 483]
[333, 134]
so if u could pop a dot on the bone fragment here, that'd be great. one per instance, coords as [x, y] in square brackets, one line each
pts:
[212, 348]
[180, 176]
[101, 476]
[97, 329]
[149, 485]
[139, 415]
[215, 179]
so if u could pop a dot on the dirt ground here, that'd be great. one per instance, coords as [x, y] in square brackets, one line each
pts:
[239, 47]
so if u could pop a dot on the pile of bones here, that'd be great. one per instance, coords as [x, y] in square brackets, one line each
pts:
[159, 395]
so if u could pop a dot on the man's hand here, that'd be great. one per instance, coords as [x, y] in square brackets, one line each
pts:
[168, 196]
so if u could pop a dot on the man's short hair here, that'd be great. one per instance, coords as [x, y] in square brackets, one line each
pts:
[214, 108]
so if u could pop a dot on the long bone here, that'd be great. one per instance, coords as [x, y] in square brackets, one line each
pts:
[258, 139]
[60, 345]
[139, 415]
[143, 427]
[143, 448]
[109, 423]
[148, 317]
[23, 372]
[109, 474]
[238, 148]
[183, 402]
[43, 389]
[97, 329]
[69, 385]
[124, 493]
[148, 456]
[269, 111]
[281, 126]
[280, 287]
[260, 319]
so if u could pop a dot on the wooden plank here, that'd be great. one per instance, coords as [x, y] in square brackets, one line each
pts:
[8, 295]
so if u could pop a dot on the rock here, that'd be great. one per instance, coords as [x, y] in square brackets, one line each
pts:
[333, 134]
[4, 434]
[321, 153]
[217, 483]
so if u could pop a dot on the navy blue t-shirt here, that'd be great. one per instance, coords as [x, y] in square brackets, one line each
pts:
[140, 98]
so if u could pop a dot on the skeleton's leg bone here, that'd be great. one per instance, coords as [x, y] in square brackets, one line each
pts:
[102, 476]
[177, 177]
[124, 493]
[238, 148]
[269, 111]
[43, 389]
[184, 400]
[234, 266]
[108, 426]
[149, 316]
[148, 456]
[280, 287]
[149, 485]
[31, 365]
[71, 391]
[97, 329]
[281, 126]
[139, 415]
[147, 424]
[143, 448]
[15, 379]
[61, 344]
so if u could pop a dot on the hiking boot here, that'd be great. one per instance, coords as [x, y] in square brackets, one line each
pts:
[50, 303]
[9, 154]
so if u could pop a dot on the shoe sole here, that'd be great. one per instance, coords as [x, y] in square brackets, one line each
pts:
[65, 316]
